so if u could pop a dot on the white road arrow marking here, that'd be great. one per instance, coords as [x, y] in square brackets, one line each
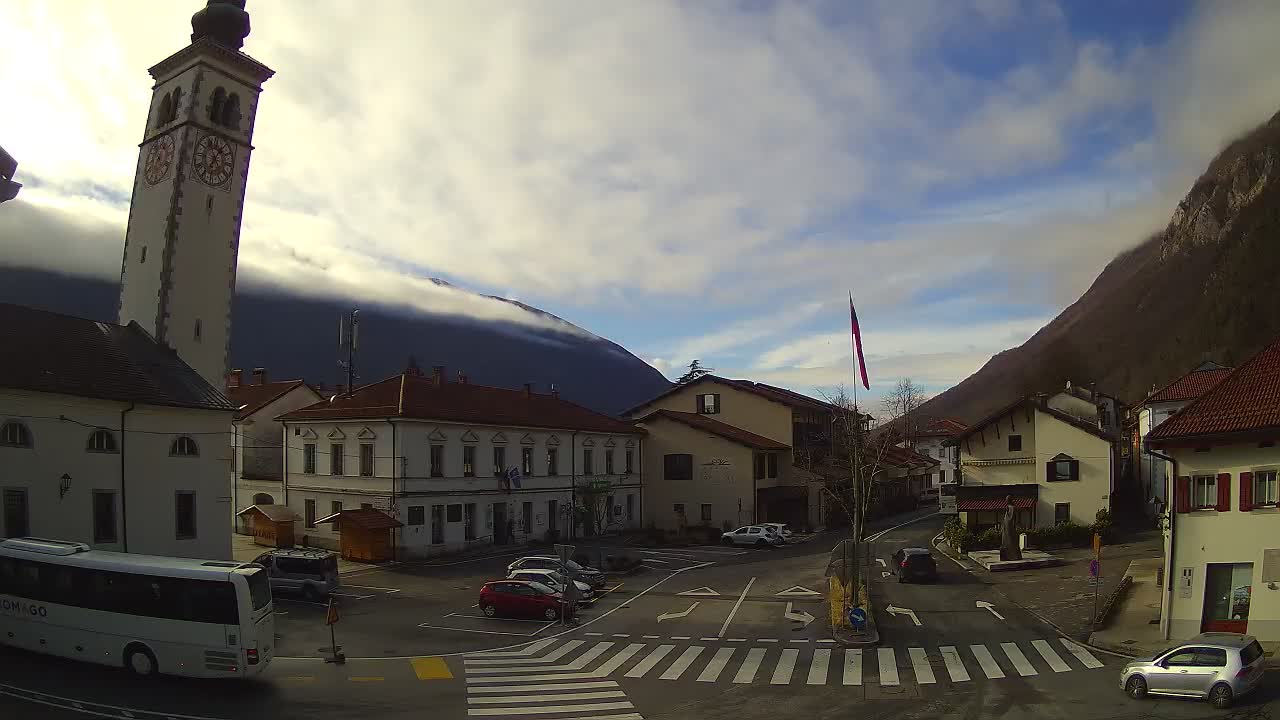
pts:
[669, 616]
[797, 591]
[882, 562]
[987, 605]
[703, 591]
[884, 574]
[802, 616]
[895, 611]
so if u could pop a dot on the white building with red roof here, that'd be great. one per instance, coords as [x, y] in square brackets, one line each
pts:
[1222, 535]
[1160, 405]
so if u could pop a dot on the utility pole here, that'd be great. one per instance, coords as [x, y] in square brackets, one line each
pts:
[349, 341]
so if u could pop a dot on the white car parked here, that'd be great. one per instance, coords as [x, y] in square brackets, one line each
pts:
[552, 579]
[754, 535]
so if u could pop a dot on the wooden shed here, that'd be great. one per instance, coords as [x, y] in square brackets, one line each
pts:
[366, 534]
[270, 525]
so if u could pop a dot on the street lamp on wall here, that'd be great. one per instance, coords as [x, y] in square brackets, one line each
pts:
[64, 487]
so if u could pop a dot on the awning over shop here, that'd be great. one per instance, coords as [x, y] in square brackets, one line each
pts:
[974, 504]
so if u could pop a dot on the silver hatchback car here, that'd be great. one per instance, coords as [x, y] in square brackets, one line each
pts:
[1218, 666]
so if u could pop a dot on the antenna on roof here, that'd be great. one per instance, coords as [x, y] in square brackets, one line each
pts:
[349, 340]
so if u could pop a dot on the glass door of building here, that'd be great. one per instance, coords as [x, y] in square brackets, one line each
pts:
[1227, 591]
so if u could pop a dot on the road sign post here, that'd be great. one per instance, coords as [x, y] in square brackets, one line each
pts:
[331, 618]
[1095, 577]
[858, 618]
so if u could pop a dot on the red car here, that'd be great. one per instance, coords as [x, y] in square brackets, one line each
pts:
[520, 597]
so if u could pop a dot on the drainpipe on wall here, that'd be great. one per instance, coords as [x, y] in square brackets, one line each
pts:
[284, 455]
[395, 547]
[124, 505]
[573, 485]
[640, 453]
[1166, 597]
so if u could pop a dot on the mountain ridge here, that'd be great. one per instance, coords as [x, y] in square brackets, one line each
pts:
[1185, 294]
[296, 336]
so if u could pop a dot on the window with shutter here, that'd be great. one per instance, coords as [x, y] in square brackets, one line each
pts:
[1224, 492]
[1246, 491]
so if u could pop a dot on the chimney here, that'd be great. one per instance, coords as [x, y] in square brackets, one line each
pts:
[412, 368]
[236, 379]
[528, 390]
[555, 391]
[437, 375]
[259, 376]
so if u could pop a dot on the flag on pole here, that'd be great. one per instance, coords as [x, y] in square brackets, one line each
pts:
[857, 344]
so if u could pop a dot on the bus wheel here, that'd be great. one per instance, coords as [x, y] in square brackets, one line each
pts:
[140, 661]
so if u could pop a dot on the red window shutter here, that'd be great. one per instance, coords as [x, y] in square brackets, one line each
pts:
[1182, 494]
[1246, 491]
[1224, 492]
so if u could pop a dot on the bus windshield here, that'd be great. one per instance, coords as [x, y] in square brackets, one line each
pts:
[259, 588]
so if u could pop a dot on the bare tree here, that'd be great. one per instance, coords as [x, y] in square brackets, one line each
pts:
[901, 405]
[857, 459]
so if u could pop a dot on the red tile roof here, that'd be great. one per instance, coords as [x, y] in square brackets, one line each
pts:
[249, 399]
[49, 352]
[1189, 386]
[994, 503]
[942, 427]
[1248, 399]
[724, 430]
[417, 397]
[894, 456]
[769, 392]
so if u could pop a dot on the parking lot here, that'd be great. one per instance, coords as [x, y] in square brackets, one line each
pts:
[412, 609]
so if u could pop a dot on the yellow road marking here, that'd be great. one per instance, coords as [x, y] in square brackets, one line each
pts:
[431, 668]
[366, 679]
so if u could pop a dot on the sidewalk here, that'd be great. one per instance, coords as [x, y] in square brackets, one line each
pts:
[1134, 626]
[1063, 595]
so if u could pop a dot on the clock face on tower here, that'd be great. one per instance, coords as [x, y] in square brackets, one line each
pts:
[213, 160]
[159, 158]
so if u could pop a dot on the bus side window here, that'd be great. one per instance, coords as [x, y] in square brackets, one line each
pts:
[8, 576]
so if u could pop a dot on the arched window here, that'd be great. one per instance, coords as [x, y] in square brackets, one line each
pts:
[15, 434]
[102, 441]
[263, 499]
[166, 108]
[177, 103]
[231, 112]
[215, 108]
[184, 446]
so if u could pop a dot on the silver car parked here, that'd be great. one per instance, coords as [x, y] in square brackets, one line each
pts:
[1218, 666]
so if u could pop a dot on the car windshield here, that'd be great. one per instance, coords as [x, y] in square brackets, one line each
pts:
[542, 588]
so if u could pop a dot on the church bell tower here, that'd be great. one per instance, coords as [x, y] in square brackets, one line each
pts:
[178, 275]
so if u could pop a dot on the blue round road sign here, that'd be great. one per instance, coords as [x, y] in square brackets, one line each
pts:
[1093, 568]
[857, 617]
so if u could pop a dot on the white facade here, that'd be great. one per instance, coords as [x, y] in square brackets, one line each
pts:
[166, 504]
[257, 451]
[1236, 551]
[447, 509]
[945, 456]
[178, 274]
[1023, 446]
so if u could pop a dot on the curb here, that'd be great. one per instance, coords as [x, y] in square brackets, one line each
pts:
[995, 589]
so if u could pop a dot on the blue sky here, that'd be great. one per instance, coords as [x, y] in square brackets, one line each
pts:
[692, 180]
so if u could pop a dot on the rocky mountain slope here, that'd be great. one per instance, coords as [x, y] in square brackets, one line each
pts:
[1203, 288]
[297, 337]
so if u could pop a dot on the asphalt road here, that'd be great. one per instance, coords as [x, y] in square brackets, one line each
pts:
[701, 633]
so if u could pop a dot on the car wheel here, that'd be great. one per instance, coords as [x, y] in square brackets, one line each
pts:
[726, 541]
[140, 661]
[550, 614]
[489, 610]
[1136, 687]
[1220, 696]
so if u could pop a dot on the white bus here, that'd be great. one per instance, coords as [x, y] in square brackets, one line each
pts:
[199, 618]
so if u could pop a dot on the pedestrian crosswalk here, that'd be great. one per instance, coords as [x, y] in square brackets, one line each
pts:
[568, 677]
